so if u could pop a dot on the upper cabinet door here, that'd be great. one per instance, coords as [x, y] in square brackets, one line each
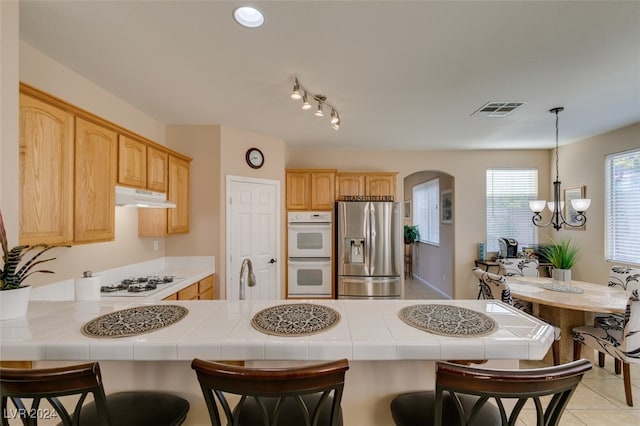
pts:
[349, 184]
[46, 173]
[383, 184]
[132, 162]
[323, 186]
[157, 168]
[178, 218]
[298, 187]
[95, 179]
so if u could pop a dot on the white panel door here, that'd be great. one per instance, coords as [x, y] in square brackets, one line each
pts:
[253, 233]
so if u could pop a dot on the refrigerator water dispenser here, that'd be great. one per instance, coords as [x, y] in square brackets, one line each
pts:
[356, 250]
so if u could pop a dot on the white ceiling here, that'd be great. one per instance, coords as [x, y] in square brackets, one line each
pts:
[403, 75]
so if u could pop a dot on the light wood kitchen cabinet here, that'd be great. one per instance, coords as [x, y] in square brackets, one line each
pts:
[157, 169]
[178, 192]
[365, 184]
[132, 162]
[201, 290]
[163, 222]
[382, 184]
[310, 189]
[46, 173]
[95, 178]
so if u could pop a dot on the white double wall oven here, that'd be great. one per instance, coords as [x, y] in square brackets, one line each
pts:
[309, 254]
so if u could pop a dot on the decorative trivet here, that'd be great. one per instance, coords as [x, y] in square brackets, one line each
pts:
[134, 321]
[295, 319]
[448, 320]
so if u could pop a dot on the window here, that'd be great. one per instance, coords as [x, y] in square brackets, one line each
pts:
[426, 210]
[508, 212]
[622, 211]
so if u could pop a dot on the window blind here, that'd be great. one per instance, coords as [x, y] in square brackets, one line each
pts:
[508, 214]
[426, 210]
[622, 207]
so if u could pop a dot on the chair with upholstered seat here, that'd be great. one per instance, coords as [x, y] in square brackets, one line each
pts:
[526, 267]
[308, 395]
[494, 286]
[627, 279]
[467, 395]
[622, 344]
[44, 388]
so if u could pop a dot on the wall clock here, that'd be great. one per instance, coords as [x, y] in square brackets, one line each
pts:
[255, 158]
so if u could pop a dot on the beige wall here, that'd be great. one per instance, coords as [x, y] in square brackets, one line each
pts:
[467, 169]
[9, 117]
[235, 143]
[582, 163]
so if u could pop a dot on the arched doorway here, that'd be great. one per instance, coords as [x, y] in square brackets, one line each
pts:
[432, 258]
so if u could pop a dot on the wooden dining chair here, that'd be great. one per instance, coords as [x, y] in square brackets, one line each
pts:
[308, 395]
[623, 344]
[524, 267]
[466, 395]
[494, 286]
[627, 279]
[48, 385]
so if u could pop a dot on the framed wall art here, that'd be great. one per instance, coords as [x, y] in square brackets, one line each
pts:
[446, 206]
[569, 212]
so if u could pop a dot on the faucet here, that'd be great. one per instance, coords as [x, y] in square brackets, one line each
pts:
[246, 265]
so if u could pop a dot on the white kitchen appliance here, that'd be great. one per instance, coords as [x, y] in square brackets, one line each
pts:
[135, 197]
[309, 269]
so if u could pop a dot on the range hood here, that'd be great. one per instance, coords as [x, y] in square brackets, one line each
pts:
[133, 197]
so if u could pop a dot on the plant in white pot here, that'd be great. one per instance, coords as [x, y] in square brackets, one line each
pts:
[17, 265]
[562, 256]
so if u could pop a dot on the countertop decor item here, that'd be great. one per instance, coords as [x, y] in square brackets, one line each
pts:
[134, 321]
[563, 256]
[16, 267]
[448, 320]
[295, 319]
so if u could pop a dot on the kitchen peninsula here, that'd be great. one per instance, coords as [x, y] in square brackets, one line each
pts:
[386, 354]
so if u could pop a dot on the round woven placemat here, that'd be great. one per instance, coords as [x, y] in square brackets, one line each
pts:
[134, 321]
[295, 319]
[448, 320]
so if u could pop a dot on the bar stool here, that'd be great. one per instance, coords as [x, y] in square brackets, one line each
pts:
[137, 408]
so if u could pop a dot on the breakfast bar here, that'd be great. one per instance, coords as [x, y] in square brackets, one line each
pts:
[387, 343]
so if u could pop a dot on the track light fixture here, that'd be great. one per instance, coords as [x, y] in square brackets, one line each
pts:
[300, 92]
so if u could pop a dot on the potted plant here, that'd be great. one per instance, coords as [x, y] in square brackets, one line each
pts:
[17, 265]
[562, 256]
[411, 234]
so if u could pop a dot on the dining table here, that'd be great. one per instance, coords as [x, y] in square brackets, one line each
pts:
[568, 306]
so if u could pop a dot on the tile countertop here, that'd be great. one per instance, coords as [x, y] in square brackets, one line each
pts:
[186, 269]
[222, 330]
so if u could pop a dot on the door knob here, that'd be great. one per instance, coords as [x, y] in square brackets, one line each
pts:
[272, 261]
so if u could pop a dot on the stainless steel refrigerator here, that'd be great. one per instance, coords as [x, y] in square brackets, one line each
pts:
[369, 255]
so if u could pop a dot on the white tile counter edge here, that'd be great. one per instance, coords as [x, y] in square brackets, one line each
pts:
[222, 330]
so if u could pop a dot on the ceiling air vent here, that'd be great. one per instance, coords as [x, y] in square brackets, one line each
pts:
[498, 109]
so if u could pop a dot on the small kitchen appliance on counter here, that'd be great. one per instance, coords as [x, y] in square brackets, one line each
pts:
[508, 247]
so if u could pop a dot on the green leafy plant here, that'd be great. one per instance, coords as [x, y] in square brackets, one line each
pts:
[12, 274]
[411, 234]
[562, 255]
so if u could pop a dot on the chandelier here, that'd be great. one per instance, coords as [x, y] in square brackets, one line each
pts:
[300, 92]
[580, 205]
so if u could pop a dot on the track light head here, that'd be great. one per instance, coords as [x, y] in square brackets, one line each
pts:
[320, 99]
[335, 118]
[305, 102]
[336, 125]
[295, 94]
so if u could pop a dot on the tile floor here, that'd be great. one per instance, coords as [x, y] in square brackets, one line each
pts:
[599, 399]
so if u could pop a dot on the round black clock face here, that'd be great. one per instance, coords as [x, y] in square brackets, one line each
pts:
[255, 158]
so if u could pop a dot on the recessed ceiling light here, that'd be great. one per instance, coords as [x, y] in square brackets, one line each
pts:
[249, 17]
